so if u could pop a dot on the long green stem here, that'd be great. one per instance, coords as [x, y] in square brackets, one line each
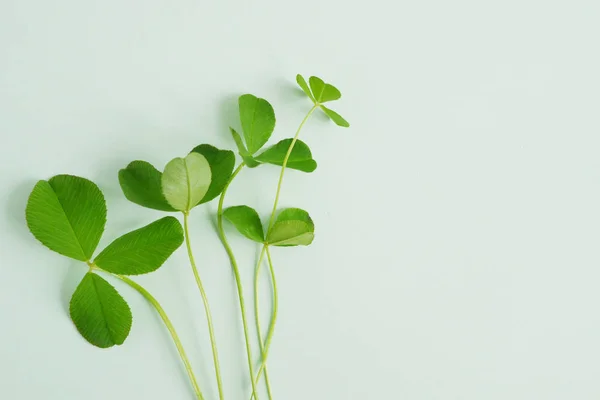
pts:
[267, 345]
[211, 330]
[168, 324]
[284, 165]
[258, 327]
[236, 274]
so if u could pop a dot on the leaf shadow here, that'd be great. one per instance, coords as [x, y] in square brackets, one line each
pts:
[15, 207]
[291, 94]
[107, 177]
[228, 116]
[72, 278]
[122, 215]
[15, 215]
[209, 214]
[289, 90]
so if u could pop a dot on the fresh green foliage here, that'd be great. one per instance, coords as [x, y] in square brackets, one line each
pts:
[244, 153]
[291, 233]
[221, 166]
[246, 221]
[67, 214]
[293, 227]
[143, 250]
[185, 181]
[304, 86]
[258, 121]
[323, 92]
[300, 157]
[141, 184]
[320, 92]
[99, 312]
[295, 214]
[335, 117]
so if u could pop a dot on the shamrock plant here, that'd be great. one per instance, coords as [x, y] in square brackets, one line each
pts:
[68, 214]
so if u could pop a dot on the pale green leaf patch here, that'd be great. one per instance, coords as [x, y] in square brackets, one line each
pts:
[293, 227]
[143, 250]
[246, 221]
[185, 181]
[67, 214]
[141, 182]
[300, 158]
[295, 214]
[291, 233]
[221, 166]
[99, 312]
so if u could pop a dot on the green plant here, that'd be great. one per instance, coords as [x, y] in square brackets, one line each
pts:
[68, 215]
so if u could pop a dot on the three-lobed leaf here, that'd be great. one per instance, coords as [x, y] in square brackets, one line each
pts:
[185, 181]
[221, 166]
[246, 221]
[143, 250]
[321, 92]
[293, 227]
[99, 312]
[300, 158]
[141, 184]
[318, 90]
[67, 214]
[258, 121]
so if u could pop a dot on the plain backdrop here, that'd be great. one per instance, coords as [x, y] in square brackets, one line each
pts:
[457, 220]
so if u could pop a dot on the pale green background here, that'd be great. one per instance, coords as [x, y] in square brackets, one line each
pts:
[457, 220]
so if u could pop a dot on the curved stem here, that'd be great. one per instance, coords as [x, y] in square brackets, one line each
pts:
[236, 274]
[169, 325]
[267, 345]
[258, 327]
[284, 165]
[211, 331]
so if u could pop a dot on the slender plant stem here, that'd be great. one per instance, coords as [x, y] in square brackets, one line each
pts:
[258, 327]
[284, 165]
[267, 345]
[236, 274]
[168, 324]
[211, 330]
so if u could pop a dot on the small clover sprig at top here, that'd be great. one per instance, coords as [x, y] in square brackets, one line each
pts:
[67, 214]
[288, 227]
[320, 92]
